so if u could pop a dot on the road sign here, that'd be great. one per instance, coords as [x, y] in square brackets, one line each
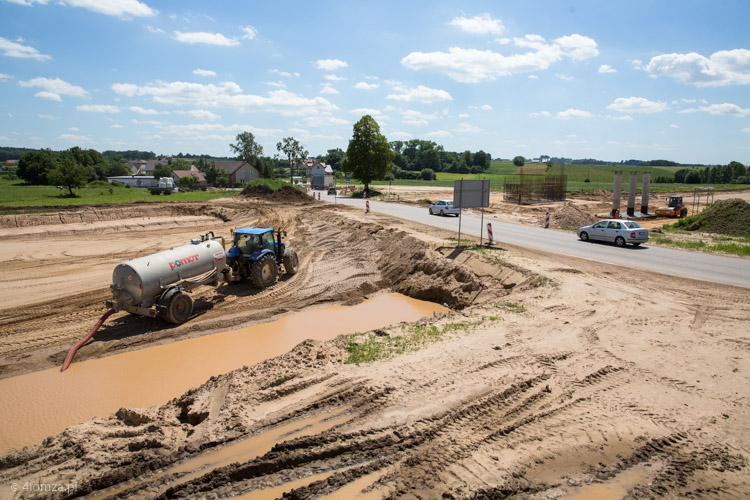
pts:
[471, 193]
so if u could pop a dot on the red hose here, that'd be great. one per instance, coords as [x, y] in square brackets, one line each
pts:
[73, 351]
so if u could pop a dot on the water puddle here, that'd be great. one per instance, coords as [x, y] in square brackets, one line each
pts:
[39, 404]
[617, 487]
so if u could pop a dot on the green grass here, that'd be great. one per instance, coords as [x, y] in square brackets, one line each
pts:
[366, 348]
[513, 307]
[14, 195]
[271, 184]
[739, 246]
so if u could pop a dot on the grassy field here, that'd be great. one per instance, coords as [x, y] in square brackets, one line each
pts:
[599, 176]
[14, 194]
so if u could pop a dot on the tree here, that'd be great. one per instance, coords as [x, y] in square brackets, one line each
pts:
[34, 165]
[294, 152]
[161, 170]
[427, 174]
[334, 157]
[68, 173]
[189, 181]
[180, 164]
[222, 178]
[369, 157]
[519, 161]
[246, 148]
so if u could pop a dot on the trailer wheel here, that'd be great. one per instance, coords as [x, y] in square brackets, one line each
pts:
[291, 261]
[264, 271]
[179, 309]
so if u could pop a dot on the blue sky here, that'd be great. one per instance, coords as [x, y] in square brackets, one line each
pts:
[610, 80]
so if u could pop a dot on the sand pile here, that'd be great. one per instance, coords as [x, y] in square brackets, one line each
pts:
[284, 194]
[570, 216]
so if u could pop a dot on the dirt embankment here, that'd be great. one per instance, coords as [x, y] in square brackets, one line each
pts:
[551, 377]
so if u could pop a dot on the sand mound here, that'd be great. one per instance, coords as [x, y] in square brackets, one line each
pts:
[723, 217]
[570, 216]
[284, 194]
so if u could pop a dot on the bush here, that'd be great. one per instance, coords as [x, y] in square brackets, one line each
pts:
[693, 177]
[663, 179]
[427, 174]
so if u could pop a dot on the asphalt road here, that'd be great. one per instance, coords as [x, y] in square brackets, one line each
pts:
[707, 267]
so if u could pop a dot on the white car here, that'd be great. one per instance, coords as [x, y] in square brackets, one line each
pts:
[620, 232]
[443, 207]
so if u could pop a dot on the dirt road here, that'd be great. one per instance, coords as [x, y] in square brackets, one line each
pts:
[551, 377]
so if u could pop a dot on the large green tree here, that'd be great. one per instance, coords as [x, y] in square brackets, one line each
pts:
[369, 157]
[246, 148]
[294, 152]
[34, 165]
[519, 161]
[69, 173]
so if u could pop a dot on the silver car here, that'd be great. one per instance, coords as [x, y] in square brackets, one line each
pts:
[443, 207]
[619, 232]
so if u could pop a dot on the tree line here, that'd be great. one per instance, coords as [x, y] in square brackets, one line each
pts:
[732, 173]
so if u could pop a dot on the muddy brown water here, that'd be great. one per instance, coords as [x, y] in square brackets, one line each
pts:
[44, 403]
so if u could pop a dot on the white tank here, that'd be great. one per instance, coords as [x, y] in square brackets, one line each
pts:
[139, 282]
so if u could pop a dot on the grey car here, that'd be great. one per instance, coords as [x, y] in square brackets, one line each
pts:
[443, 207]
[619, 232]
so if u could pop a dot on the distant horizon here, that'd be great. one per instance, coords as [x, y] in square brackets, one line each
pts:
[578, 78]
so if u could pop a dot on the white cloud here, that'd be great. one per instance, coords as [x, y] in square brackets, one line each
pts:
[472, 65]
[328, 89]
[438, 134]
[412, 117]
[545, 114]
[334, 78]
[226, 94]
[143, 111]
[564, 78]
[53, 88]
[153, 29]
[720, 109]
[626, 118]
[479, 25]
[4, 78]
[28, 3]
[485, 107]
[47, 117]
[325, 119]
[207, 38]
[283, 73]
[204, 72]
[747, 130]
[572, 114]
[13, 49]
[503, 41]
[673, 125]
[201, 114]
[98, 108]
[375, 113]
[330, 64]
[637, 105]
[366, 86]
[421, 94]
[533, 77]
[463, 115]
[278, 85]
[606, 68]
[73, 129]
[77, 138]
[726, 67]
[465, 128]
[250, 33]
[116, 125]
[121, 8]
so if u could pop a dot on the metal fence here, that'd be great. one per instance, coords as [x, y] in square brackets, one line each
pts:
[537, 189]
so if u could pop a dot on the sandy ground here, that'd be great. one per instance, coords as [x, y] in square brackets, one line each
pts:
[553, 377]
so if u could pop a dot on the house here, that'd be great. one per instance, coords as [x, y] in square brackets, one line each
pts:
[178, 175]
[239, 171]
[146, 167]
[314, 168]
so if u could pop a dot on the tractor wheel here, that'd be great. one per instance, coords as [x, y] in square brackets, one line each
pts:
[584, 236]
[291, 261]
[620, 241]
[683, 212]
[179, 309]
[264, 271]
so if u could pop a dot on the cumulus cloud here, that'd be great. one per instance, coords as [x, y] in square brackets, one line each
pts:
[479, 25]
[47, 117]
[207, 38]
[98, 108]
[466, 128]
[78, 139]
[572, 114]
[4, 78]
[120, 8]
[412, 117]
[606, 68]
[366, 86]
[144, 111]
[720, 109]
[204, 72]
[226, 94]
[53, 88]
[485, 107]
[725, 67]
[325, 119]
[201, 114]
[116, 125]
[334, 78]
[28, 3]
[473, 65]
[565, 78]
[545, 114]
[375, 113]
[421, 94]
[328, 89]
[283, 73]
[438, 134]
[13, 49]
[637, 105]
[331, 64]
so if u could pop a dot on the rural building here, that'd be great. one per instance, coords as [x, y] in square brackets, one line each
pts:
[239, 171]
[178, 175]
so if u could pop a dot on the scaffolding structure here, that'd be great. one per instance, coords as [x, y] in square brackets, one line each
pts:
[531, 189]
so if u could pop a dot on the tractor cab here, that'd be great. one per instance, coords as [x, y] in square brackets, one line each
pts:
[249, 240]
[258, 255]
[675, 201]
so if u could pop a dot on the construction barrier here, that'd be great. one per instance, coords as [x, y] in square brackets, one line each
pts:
[546, 221]
[318, 196]
[490, 238]
[367, 209]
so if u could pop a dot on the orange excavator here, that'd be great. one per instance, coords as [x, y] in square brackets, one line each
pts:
[674, 208]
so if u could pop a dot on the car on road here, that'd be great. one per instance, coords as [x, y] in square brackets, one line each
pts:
[443, 207]
[620, 232]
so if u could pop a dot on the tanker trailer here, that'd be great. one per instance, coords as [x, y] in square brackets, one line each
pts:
[156, 285]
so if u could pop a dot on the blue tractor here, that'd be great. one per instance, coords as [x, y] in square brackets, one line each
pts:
[257, 255]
